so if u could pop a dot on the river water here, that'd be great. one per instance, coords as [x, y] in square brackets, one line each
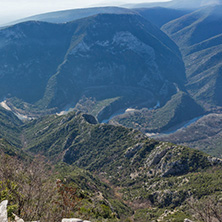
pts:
[123, 111]
[174, 129]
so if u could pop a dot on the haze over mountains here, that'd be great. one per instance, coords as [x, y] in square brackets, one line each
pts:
[84, 89]
[201, 51]
[178, 4]
[74, 14]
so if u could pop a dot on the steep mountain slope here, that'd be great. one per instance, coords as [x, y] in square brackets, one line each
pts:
[77, 138]
[123, 58]
[198, 35]
[125, 159]
[74, 14]
[160, 15]
[191, 28]
[140, 176]
[10, 127]
[205, 134]
[29, 55]
[127, 57]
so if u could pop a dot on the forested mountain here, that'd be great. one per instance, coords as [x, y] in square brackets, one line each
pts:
[179, 109]
[81, 92]
[198, 35]
[109, 63]
[204, 134]
[130, 172]
[128, 65]
[123, 58]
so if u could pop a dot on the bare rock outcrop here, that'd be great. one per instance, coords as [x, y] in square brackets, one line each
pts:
[187, 220]
[3, 211]
[17, 219]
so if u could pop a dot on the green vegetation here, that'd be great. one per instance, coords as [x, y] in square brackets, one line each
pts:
[204, 134]
[10, 127]
[27, 109]
[181, 107]
[114, 173]
[92, 106]
[38, 190]
[57, 166]
[198, 35]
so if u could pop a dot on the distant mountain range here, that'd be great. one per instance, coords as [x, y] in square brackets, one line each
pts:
[198, 35]
[160, 15]
[177, 4]
[110, 61]
[85, 90]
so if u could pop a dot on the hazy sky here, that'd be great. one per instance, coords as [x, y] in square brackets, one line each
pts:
[14, 9]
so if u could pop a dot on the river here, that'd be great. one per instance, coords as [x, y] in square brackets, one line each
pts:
[175, 128]
[127, 110]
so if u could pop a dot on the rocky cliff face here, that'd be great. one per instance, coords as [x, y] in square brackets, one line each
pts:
[104, 56]
[118, 51]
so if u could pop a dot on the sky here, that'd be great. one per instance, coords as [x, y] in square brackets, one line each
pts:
[11, 10]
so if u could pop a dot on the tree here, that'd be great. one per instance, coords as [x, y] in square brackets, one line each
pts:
[207, 209]
[33, 192]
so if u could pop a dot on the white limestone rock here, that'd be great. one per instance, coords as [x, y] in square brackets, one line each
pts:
[187, 220]
[17, 219]
[3, 211]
